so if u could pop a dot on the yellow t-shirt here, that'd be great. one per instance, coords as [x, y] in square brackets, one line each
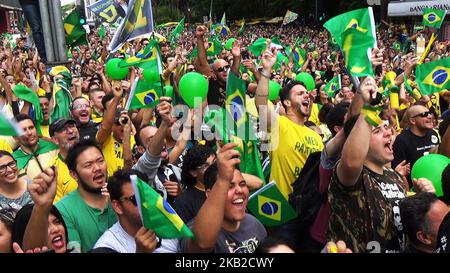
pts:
[315, 114]
[44, 130]
[65, 183]
[295, 144]
[113, 152]
[4, 146]
[97, 118]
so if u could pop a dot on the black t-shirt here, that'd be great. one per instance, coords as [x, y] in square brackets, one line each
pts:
[88, 131]
[244, 240]
[217, 93]
[444, 235]
[189, 203]
[410, 147]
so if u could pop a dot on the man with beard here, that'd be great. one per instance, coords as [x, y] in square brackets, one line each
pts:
[81, 113]
[221, 225]
[291, 141]
[110, 135]
[45, 107]
[64, 133]
[163, 176]
[33, 154]
[87, 212]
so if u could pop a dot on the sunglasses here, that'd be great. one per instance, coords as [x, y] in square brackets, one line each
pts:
[423, 114]
[223, 68]
[132, 199]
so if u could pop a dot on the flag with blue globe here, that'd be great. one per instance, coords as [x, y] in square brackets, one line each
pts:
[434, 76]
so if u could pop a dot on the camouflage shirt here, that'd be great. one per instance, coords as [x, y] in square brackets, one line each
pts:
[366, 215]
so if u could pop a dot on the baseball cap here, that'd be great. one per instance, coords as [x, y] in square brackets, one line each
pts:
[59, 124]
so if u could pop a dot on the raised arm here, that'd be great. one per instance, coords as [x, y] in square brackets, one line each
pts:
[236, 51]
[262, 91]
[356, 146]
[42, 191]
[202, 65]
[105, 128]
[209, 219]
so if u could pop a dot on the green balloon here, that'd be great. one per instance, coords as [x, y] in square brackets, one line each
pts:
[114, 71]
[193, 85]
[168, 91]
[307, 80]
[151, 75]
[274, 90]
[229, 43]
[431, 167]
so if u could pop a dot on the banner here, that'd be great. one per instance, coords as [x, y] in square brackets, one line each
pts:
[138, 22]
[289, 17]
[105, 9]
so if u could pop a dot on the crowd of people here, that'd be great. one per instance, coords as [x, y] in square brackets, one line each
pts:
[65, 184]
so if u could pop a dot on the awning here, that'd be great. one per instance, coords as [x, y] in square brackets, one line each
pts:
[416, 7]
[10, 5]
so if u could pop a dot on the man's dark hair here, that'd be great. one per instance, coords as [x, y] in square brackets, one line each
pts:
[106, 98]
[6, 153]
[335, 116]
[349, 124]
[195, 157]
[210, 177]
[273, 241]
[76, 150]
[413, 210]
[446, 185]
[285, 92]
[323, 112]
[444, 125]
[21, 117]
[75, 99]
[119, 178]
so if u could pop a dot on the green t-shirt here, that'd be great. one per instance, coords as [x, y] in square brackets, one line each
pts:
[84, 223]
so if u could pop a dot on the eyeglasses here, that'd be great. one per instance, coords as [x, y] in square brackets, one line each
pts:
[132, 199]
[81, 106]
[423, 114]
[12, 165]
[223, 68]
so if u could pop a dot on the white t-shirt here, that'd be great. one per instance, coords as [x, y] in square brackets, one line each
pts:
[117, 239]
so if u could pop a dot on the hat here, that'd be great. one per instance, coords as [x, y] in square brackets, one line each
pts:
[59, 124]
[444, 235]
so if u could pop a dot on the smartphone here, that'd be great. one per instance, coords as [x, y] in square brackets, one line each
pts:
[245, 55]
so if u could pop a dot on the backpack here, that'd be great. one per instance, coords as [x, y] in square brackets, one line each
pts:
[306, 198]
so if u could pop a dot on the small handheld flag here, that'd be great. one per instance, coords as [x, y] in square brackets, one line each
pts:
[156, 214]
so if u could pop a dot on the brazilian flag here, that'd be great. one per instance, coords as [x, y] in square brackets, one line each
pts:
[242, 28]
[433, 17]
[270, 207]
[333, 86]
[357, 47]
[360, 19]
[75, 32]
[259, 46]
[176, 32]
[156, 214]
[144, 94]
[251, 161]
[434, 76]
[62, 98]
[150, 53]
[27, 94]
[214, 48]
[235, 106]
[299, 57]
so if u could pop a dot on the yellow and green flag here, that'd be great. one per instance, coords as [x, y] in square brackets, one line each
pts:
[156, 214]
[214, 48]
[270, 207]
[433, 17]
[434, 76]
[62, 98]
[259, 46]
[235, 105]
[360, 19]
[144, 94]
[357, 46]
[75, 32]
[9, 127]
[27, 94]
[176, 32]
[333, 86]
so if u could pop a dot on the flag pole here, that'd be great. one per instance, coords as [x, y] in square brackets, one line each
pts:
[425, 53]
